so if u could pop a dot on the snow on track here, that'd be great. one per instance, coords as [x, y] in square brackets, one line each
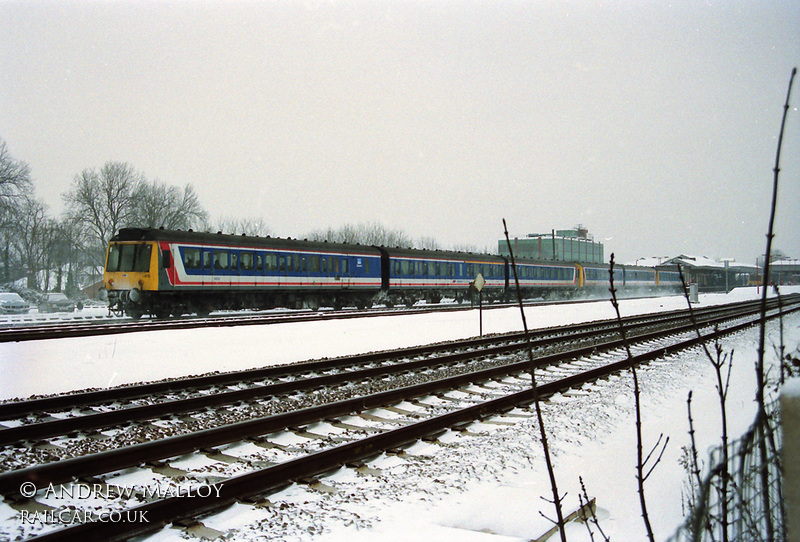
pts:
[62, 365]
[484, 487]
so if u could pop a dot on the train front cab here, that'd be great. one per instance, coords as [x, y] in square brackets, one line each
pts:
[131, 275]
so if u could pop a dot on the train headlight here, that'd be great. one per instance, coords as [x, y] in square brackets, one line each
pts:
[135, 295]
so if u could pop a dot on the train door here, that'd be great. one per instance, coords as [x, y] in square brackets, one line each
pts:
[304, 276]
[235, 275]
[282, 276]
[324, 271]
[345, 268]
[247, 266]
[208, 269]
[385, 270]
[221, 271]
[271, 269]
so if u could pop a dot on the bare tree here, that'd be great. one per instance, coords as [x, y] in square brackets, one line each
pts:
[59, 251]
[428, 243]
[31, 235]
[15, 184]
[471, 248]
[252, 226]
[102, 202]
[365, 234]
[156, 205]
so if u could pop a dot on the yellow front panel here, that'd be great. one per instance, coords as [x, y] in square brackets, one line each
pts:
[127, 280]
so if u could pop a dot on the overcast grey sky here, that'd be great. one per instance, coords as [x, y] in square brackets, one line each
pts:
[653, 123]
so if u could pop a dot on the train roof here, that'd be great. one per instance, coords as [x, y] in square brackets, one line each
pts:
[398, 252]
[546, 263]
[181, 236]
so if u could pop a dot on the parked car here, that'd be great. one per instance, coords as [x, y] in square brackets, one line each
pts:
[56, 302]
[12, 303]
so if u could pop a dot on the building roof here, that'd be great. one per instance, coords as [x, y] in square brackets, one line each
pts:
[695, 262]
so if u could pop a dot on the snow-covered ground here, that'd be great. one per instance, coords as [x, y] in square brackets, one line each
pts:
[486, 487]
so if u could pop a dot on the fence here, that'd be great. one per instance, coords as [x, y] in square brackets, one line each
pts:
[740, 499]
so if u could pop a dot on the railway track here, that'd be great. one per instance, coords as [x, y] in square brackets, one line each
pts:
[89, 327]
[433, 403]
[93, 410]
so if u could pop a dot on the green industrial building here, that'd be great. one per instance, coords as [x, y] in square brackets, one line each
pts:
[575, 245]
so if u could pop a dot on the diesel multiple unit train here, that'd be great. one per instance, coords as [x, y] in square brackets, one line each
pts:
[165, 272]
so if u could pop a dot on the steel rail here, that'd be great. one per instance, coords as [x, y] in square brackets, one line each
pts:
[129, 456]
[50, 330]
[17, 409]
[163, 512]
[67, 329]
[96, 421]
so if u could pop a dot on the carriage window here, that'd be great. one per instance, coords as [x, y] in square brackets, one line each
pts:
[282, 263]
[314, 268]
[344, 266]
[206, 259]
[247, 261]
[323, 265]
[304, 264]
[191, 258]
[234, 260]
[221, 259]
[272, 262]
[259, 262]
[366, 266]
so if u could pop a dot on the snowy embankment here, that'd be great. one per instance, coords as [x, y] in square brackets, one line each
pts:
[56, 366]
[464, 487]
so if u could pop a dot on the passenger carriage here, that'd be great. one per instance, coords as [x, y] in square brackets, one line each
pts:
[546, 279]
[166, 272]
[668, 278]
[431, 275]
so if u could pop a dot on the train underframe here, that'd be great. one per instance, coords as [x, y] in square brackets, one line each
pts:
[410, 296]
[135, 303]
[164, 304]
